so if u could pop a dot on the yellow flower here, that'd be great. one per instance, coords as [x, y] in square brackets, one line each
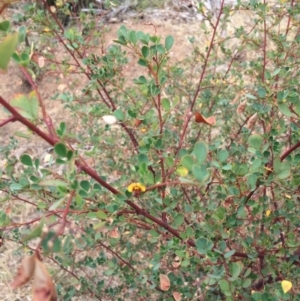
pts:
[286, 285]
[136, 187]
[268, 212]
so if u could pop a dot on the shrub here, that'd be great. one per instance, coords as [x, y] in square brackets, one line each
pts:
[183, 183]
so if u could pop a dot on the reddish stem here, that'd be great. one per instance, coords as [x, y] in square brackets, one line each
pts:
[10, 119]
[290, 150]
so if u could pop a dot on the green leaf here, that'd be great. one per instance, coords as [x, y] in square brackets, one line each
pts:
[160, 49]
[240, 169]
[223, 155]
[185, 263]
[229, 254]
[141, 80]
[277, 165]
[282, 95]
[155, 39]
[255, 141]
[204, 245]
[162, 80]
[70, 155]
[121, 40]
[182, 171]
[60, 150]
[227, 167]
[169, 41]
[183, 180]
[275, 72]
[145, 51]
[189, 232]
[60, 161]
[251, 181]
[200, 151]
[4, 25]
[22, 34]
[178, 220]
[144, 38]
[283, 174]
[143, 158]
[284, 109]
[122, 31]
[85, 185]
[15, 186]
[224, 285]
[261, 92]
[166, 104]
[257, 296]
[235, 269]
[28, 107]
[200, 173]
[36, 232]
[101, 214]
[62, 128]
[256, 164]
[187, 161]
[220, 214]
[92, 215]
[4, 219]
[119, 114]
[154, 233]
[132, 37]
[26, 160]
[246, 283]
[37, 163]
[22, 135]
[56, 204]
[250, 96]
[281, 169]
[142, 62]
[7, 48]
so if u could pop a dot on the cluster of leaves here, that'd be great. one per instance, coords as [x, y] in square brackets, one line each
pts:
[190, 186]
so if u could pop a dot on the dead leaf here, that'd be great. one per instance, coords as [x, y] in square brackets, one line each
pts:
[137, 122]
[61, 87]
[251, 121]
[43, 286]
[176, 262]
[41, 61]
[176, 296]
[228, 202]
[236, 99]
[8, 210]
[35, 57]
[201, 119]
[164, 282]
[114, 233]
[241, 107]
[25, 272]
[53, 9]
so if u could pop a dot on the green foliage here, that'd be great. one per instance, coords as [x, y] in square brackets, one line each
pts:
[213, 207]
[7, 47]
